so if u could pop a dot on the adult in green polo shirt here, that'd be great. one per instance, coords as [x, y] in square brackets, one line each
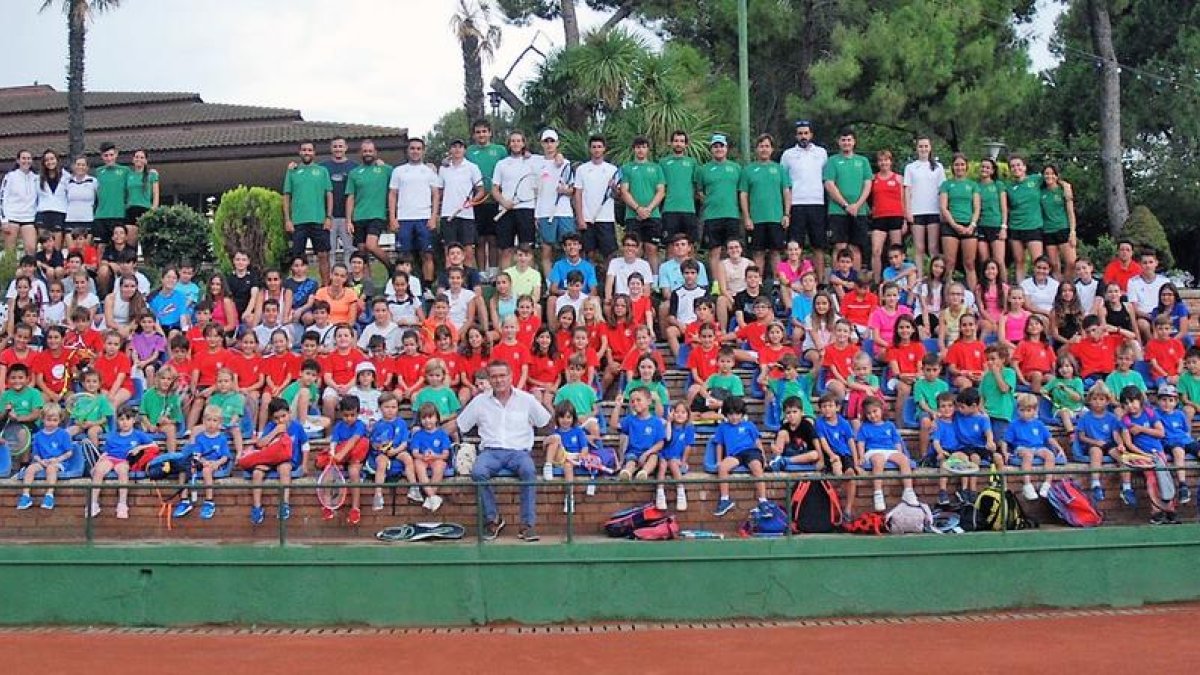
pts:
[681, 173]
[848, 183]
[718, 188]
[643, 188]
[308, 207]
[993, 214]
[765, 196]
[959, 202]
[366, 203]
[485, 154]
[1058, 223]
[1024, 214]
[111, 181]
[141, 194]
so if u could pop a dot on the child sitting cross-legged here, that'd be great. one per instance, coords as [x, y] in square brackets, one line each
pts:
[881, 443]
[1028, 437]
[738, 443]
[209, 451]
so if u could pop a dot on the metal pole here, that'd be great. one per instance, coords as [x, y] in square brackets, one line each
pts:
[744, 78]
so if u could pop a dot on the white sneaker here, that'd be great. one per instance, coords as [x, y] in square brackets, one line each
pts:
[377, 503]
[660, 499]
[1044, 491]
[568, 504]
[414, 494]
[434, 503]
[1029, 492]
[880, 505]
[123, 511]
[681, 501]
[590, 490]
[93, 510]
[642, 474]
[547, 471]
[427, 504]
[909, 496]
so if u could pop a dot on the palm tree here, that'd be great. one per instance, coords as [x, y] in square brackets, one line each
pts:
[79, 13]
[478, 38]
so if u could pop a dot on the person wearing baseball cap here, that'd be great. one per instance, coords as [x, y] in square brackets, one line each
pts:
[462, 191]
[367, 390]
[805, 165]
[1178, 441]
[554, 209]
[718, 188]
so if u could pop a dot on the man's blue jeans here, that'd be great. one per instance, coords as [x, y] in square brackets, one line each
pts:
[494, 460]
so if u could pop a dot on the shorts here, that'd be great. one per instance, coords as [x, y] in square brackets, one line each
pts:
[718, 231]
[874, 453]
[809, 221]
[52, 221]
[516, 226]
[1056, 238]
[675, 222]
[988, 234]
[485, 218]
[951, 233]
[847, 229]
[667, 455]
[552, 230]
[132, 213]
[754, 455]
[459, 230]
[367, 228]
[1025, 236]
[102, 229]
[767, 237]
[847, 462]
[927, 219]
[648, 231]
[1192, 448]
[310, 232]
[600, 238]
[414, 236]
[999, 427]
[892, 224]
[357, 455]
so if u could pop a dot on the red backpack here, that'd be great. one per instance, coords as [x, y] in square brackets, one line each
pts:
[1069, 502]
[815, 507]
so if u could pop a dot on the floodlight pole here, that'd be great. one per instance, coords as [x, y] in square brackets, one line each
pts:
[744, 77]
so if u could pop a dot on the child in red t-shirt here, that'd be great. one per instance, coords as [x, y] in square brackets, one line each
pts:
[511, 351]
[1097, 351]
[545, 367]
[473, 354]
[839, 358]
[965, 358]
[581, 343]
[702, 359]
[643, 345]
[115, 368]
[1034, 357]
[858, 304]
[339, 368]
[904, 359]
[19, 352]
[205, 364]
[409, 366]
[1164, 353]
[247, 367]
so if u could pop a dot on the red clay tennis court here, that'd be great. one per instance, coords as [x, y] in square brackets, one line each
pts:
[1153, 638]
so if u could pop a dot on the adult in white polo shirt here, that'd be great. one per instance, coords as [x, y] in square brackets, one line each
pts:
[462, 187]
[507, 418]
[805, 164]
[514, 187]
[923, 180]
[594, 182]
[554, 209]
[413, 201]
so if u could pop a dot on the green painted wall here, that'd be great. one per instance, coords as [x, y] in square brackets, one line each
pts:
[461, 584]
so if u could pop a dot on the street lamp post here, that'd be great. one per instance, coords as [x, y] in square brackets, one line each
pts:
[744, 76]
[494, 100]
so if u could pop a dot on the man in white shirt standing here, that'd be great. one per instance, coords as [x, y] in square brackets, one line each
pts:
[462, 188]
[595, 182]
[507, 418]
[413, 202]
[514, 187]
[1143, 290]
[805, 164]
[554, 209]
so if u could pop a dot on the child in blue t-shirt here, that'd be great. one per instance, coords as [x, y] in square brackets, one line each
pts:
[51, 446]
[738, 443]
[881, 443]
[282, 445]
[944, 444]
[348, 447]
[389, 450]
[1029, 438]
[120, 449]
[1097, 432]
[642, 435]
[835, 438]
[567, 445]
[209, 450]
[681, 435]
[430, 448]
[1144, 434]
[974, 428]
[1178, 441]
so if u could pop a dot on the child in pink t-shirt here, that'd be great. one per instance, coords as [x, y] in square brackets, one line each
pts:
[882, 322]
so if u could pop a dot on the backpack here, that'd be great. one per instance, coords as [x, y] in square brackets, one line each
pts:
[866, 523]
[624, 523]
[947, 522]
[904, 518]
[667, 528]
[765, 520]
[815, 507]
[994, 502]
[464, 459]
[169, 465]
[966, 517]
[1070, 504]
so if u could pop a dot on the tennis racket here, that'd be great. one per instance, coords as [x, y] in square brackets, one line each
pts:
[960, 466]
[614, 183]
[80, 403]
[700, 534]
[16, 437]
[524, 193]
[566, 177]
[1137, 460]
[331, 486]
[473, 199]
[592, 463]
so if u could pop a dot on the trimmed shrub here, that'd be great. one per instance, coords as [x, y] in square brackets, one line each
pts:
[171, 234]
[251, 220]
[1144, 229]
[1100, 252]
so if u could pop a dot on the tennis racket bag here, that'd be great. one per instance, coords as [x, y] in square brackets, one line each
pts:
[815, 507]
[169, 465]
[767, 519]
[624, 523]
[904, 518]
[663, 530]
[1070, 504]
[999, 509]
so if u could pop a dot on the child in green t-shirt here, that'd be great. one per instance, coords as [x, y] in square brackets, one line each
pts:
[1189, 384]
[862, 385]
[649, 379]
[301, 396]
[580, 394]
[1065, 390]
[21, 402]
[791, 385]
[161, 410]
[925, 394]
[706, 407]
[440, 395]
[233, 407]
[998, 389]
[90, 410]
[1125, 375]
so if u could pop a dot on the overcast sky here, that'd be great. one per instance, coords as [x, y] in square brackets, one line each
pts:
[389, 62]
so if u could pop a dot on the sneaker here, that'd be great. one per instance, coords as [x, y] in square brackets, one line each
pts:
[425, 504]
[1029, 492]
[24, 502]
[568, 504]
[965, 496]
[943, 498]
[355, 516]
[641, 474]
[590, 490]
[1172, 519]
[909, 496]
[778, 464]
[123, 511]
[681, 501]
[879, 504]
[414, 494]
[527, 533]
[435, 503]
[327, 513]
[660, 499]
[1044, 490]
[285, 511]
[182, 509]
[1097, 494]
[492, 529]
[1159, 518]
[256, 515]
[1128, 497]
[48, 502]
[547, 471]
[763, 511]
[377, 503]
[208, 510]
[1185, 495]
[724, 505]
[625, 474]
